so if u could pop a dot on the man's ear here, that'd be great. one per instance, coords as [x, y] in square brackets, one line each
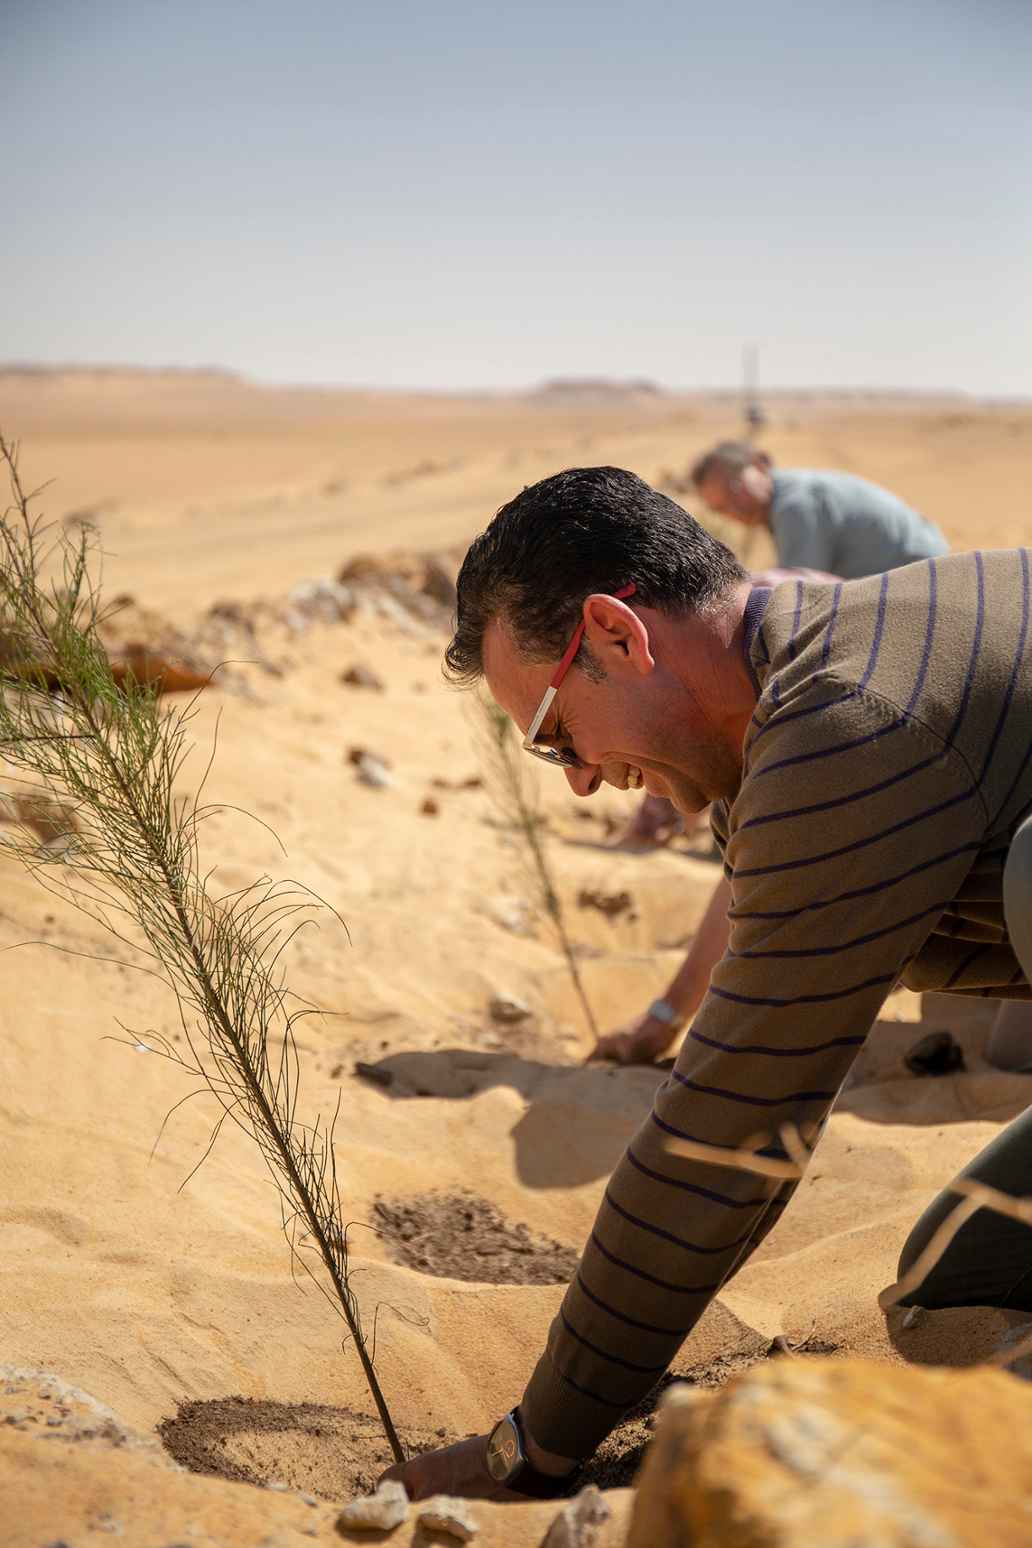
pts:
[618, 638]
[754, 481]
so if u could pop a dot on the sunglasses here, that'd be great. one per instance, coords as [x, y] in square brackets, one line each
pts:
[561, 757]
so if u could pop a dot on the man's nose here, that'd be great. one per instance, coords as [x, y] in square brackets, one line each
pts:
[585, 780]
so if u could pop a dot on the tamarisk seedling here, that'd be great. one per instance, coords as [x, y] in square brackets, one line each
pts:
[511, 783]
[109, 757]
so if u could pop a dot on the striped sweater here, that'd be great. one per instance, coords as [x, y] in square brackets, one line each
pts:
[886, 766]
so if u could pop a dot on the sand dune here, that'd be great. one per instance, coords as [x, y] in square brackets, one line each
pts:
[150, 1299]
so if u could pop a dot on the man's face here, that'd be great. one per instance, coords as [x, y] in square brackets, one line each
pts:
[637, 727]
[727, 494]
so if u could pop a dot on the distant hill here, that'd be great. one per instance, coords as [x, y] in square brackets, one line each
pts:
[594, 389]
[20, 368]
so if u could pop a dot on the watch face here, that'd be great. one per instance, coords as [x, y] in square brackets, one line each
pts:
[503, 1450]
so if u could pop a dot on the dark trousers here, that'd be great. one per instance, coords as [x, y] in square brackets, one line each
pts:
[989, 1261]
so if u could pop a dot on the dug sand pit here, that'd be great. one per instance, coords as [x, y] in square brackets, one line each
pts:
[461, 1236]
[311, 1448]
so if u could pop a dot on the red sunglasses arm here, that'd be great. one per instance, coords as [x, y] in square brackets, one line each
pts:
[578, 634]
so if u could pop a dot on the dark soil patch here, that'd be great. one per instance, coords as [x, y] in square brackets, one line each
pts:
[335, 1453]
[460, 1236]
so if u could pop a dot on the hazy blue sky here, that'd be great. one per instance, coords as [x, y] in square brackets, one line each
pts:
[448, 194]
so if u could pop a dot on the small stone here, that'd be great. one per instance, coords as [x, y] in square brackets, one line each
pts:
[579, 1524]
[506, 1009]
[513, 914]
[372, 772]
[359, 676]
[430, 807]
[379, 1512]
[454, 1517]
[938, 1053]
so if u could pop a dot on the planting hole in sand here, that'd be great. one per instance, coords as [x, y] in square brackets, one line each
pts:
[309, 1447]
[460, 1236]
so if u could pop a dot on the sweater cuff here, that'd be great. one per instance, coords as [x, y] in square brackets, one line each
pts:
[561, 1419]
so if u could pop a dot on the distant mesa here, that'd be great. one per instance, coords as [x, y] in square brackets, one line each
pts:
[595, 389]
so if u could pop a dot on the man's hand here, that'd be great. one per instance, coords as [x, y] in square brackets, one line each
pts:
[643, 1042]
[460, 1469]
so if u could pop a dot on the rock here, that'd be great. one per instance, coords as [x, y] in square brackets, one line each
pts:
[507, 1010]
[580, 1522]
[371, 771]
[442, 1513]
[612, 904]
[359, 676]
[937, 1053]
[430, 807]
[379, 1512]
[841, 1452]
[325, 599]
[439, 581]
[514, 914]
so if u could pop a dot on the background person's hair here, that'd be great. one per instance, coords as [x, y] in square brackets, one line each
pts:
[730, 458]
[582, 531]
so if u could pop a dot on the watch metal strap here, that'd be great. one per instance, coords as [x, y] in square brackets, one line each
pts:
[662, 1010]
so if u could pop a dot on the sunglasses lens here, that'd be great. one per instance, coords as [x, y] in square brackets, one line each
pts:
[559, 758]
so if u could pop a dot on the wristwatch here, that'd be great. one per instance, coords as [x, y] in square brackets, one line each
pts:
[508, 1464]
[662, 1010]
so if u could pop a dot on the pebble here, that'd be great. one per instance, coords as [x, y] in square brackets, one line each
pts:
[379, 1512]
[505, 1008]
[374, 773]
[580, 1522]
[359, 676]
[454, 1517]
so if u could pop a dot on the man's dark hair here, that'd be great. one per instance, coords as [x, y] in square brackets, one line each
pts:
[729, 457]
[578, 532]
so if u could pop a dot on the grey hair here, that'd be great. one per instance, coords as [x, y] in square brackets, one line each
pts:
[729, 457]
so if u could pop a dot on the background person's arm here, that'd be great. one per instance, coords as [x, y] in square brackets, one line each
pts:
[648, 1038]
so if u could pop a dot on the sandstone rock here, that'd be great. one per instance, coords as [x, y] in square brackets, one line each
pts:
[453, 1517]
[439, 580]
[580, 1522]
[379, 1512]
[843, 1453]
[506, 1009]
[324, 599]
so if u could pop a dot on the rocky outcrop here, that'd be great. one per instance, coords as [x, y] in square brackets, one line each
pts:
[841, 1453]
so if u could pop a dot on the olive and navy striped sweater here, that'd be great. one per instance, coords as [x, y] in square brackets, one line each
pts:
[886, 766]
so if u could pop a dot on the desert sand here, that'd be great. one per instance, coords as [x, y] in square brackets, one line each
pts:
[159, 1313]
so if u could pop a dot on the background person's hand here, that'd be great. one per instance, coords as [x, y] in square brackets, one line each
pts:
[653, 825]
[643, 1042]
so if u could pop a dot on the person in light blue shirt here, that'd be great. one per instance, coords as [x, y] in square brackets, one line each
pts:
[818, 520]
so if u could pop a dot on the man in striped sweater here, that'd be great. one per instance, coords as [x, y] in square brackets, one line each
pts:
[867, 749]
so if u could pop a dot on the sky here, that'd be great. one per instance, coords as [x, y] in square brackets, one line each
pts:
[439, 194]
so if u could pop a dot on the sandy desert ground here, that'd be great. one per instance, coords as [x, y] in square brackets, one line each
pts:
[145, 1320]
